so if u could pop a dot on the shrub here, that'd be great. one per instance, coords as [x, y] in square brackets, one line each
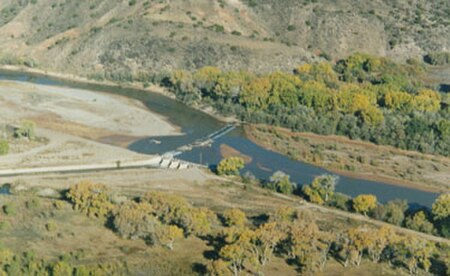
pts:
[340, 201]
[9, 209]
[437, 58]
[26, 130]
[135, 220]
[4, 147]
[230, 166]
[234, 217]
[51, 226]
[33, 203]
[91, 199]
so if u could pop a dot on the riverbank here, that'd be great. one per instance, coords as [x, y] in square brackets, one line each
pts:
[72, 124]
[357, 159]
[132, 85]
[371, 169]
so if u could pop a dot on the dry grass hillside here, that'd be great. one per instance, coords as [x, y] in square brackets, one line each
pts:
[89, 36]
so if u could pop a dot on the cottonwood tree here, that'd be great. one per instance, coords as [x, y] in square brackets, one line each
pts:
[230, 166]
[364, 203]
[170, 209]
[419, 222]
[417, 252]
[167, 235]
[353, 245]
[235, 255]
[321, 189]
[135, 220]
[441, 207]
[378, 240]
[199, 221]
[264, 241]
[307, 245]
[281, 183]
[218, 268]
[234, 217]
[90, 198]
[284, 214]
[392, 212]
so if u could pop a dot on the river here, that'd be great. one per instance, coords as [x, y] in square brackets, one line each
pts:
[195, 124]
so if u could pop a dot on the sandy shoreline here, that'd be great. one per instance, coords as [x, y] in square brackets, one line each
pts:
[74, 126]
[134, 85]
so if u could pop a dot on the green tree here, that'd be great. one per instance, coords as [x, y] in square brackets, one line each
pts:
[441, 207]
[364, 203]
[419, 222]
[230, 166]
[325, 185]
[281, 182]
[392, 212]
[321, 189]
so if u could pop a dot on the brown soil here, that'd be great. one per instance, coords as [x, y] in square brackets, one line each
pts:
[227, 151]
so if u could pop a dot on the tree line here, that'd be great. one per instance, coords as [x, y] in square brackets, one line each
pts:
[241, 244]
[361, 97]
[245, 244]
[322, 192]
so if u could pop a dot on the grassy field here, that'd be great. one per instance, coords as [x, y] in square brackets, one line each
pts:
[357, 158]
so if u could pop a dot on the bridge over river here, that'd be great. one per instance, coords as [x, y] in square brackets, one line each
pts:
[207, 150]
[164, 161]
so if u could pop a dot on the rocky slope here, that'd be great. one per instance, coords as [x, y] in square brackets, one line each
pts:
[122, 36]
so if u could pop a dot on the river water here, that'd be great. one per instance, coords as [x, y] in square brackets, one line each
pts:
[195, 124]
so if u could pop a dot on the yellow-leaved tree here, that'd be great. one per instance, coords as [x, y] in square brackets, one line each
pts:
[364, 203]
[92, 199]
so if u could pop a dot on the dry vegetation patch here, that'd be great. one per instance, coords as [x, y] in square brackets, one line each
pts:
[358, 158]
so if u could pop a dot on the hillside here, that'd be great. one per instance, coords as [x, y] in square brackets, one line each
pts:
[116, 36]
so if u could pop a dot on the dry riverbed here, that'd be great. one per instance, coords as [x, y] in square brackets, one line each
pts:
[71, 123]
